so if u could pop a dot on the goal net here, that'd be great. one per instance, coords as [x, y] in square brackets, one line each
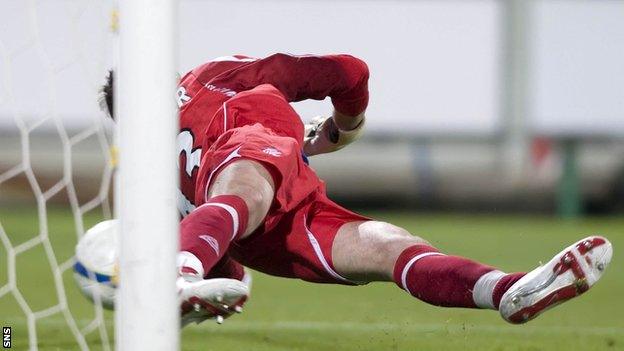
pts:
[56, 166]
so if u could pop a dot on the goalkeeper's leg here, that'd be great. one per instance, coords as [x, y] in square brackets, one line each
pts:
[376, 251]
[237, 203]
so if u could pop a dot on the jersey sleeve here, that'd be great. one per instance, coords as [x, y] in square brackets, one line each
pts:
[343, 78]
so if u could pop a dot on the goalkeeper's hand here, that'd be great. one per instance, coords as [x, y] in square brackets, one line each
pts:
[322, 135]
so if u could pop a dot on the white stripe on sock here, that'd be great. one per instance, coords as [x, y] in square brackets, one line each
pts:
[483, 291]
[231, 210]
[410, 263]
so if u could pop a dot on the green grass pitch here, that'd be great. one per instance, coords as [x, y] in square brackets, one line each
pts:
[292, 315]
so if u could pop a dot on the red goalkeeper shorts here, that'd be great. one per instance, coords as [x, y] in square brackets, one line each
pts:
[296, 238]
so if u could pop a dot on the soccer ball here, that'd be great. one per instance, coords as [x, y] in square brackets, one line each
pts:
[95, 270]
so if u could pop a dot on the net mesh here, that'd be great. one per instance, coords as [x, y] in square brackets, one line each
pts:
[55, 167]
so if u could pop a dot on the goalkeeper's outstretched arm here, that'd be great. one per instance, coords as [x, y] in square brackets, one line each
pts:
[343, 78]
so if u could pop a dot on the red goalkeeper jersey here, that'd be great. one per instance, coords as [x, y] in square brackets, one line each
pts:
[206, 89]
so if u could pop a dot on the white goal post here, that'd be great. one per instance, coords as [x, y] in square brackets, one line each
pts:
[147, 315]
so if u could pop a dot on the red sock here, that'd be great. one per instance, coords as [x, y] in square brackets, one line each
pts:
[439, 279]
[208, 230]
[227, 268]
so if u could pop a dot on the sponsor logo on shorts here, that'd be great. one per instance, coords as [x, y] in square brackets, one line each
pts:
[272, 151]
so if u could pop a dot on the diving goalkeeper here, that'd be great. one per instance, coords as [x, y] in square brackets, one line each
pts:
[248, 196]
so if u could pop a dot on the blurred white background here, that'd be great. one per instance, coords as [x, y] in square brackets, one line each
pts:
[459, 89]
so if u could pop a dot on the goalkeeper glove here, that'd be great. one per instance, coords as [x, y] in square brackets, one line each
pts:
[323, 136]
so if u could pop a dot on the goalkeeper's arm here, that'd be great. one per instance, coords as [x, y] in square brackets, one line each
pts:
[343, 78]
